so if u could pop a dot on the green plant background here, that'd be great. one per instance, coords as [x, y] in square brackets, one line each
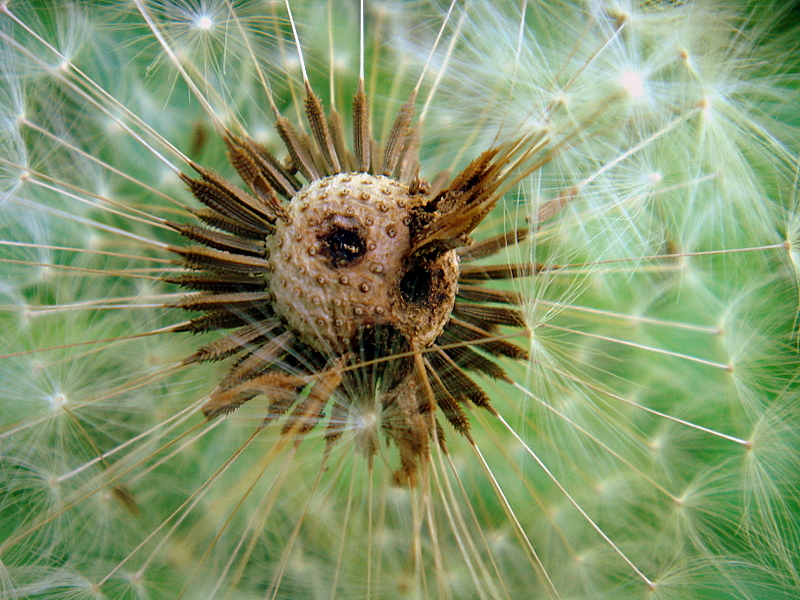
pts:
[662, 393]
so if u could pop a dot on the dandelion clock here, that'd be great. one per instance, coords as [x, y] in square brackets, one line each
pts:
[454, 300]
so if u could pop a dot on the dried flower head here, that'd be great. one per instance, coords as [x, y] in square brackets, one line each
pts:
[354, 290]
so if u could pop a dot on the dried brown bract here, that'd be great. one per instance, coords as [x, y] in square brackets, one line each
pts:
[348, 282]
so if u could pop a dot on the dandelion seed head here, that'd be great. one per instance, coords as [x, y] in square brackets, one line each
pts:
[655, 253]
[114, 126]
[634, 84]
[53, 484]
[58, 401]
[45, 274]
[94, 241]
[706, 106]
[167, 178]
[204, 22]
[367, 421]
[265, 136]
[498, 539]
[656, 444]
[686, 58]
[291, 63]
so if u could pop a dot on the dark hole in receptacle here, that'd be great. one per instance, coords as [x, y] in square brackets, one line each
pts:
[415, 286]
[343, 246]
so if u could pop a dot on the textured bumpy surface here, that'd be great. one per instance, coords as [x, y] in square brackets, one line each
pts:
[340, 264]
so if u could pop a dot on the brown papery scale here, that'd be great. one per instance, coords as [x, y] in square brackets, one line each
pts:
[347, 285]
